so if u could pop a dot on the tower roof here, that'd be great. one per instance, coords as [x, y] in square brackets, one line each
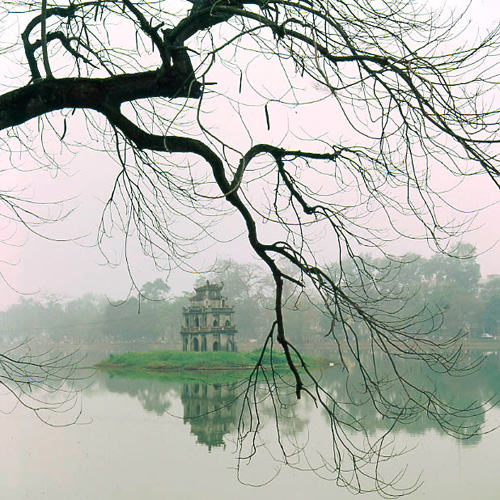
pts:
[209, 286]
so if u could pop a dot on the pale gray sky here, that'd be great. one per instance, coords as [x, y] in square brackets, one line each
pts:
[32, 264]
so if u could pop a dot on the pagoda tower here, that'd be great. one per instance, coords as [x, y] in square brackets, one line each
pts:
[208, 321]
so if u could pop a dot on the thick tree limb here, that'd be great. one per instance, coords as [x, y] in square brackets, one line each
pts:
[45, 96]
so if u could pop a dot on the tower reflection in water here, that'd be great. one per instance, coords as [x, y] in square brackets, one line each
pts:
[211, 411]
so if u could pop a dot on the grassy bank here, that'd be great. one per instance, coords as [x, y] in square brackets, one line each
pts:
[177, 360]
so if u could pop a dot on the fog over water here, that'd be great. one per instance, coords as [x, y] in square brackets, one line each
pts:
[140, 437]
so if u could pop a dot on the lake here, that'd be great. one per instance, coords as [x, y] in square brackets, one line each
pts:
[161, 437]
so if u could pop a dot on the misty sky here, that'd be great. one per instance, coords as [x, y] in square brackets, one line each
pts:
[31, 264]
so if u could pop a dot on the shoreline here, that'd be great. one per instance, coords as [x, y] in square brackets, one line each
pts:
[165, 361]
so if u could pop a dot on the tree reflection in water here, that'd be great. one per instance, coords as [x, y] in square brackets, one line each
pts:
[212, 406]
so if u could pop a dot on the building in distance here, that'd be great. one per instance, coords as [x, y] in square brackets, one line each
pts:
[208, 321]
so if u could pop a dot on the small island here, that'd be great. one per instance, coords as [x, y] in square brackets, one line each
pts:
[182, 360]
[208, 342]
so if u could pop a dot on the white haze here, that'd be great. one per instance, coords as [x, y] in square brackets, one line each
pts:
[31, 265]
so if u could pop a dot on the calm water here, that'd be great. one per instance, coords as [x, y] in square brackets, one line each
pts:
[145, 439]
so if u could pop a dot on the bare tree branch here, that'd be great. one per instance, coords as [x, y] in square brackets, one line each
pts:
[366, 104]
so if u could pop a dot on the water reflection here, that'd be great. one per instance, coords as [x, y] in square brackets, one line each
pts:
[154, 395]
[213, 409]
[209, 407]
[132, 447]
[471, 395]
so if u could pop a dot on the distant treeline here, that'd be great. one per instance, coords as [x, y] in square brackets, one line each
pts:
[448, 291]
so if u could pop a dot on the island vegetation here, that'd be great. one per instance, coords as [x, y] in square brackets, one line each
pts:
[180, 361]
